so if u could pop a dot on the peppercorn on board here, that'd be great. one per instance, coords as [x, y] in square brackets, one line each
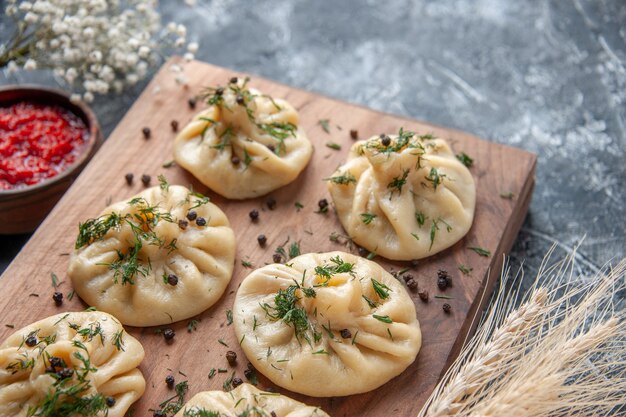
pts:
[504, 181]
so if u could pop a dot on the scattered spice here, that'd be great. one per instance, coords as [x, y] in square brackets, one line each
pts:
[446, 308]
[323, 205]
[324, 124]
[246, 264]
[385, 140]
[298, 205]
[201, 221]
[192, 102]
[254, 215]
[333, 145]
[31, 341]
[262, 239]
[174, 125]
[129, 178]
[58, 298]
[410, 282]
[277, 258]
[444, 280]
[168, 335]
[172, 280]
[236, 382]
[192, 325]
[423, 296]
[480, 251]
[183, 224]
[235, 160]
[233, 80]
[192, 215]
[465, 269]
[507, 195]
[271, 203]
[345, 333]
[169, 164]
[145, 179]
[250, 374]
[415, 263]
[354, 134]
[110, 401]
[146, 132]
[465, 159]
[231, 357]
[170, 381]
[363, 252]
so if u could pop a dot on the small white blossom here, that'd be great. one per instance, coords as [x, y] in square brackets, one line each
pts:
[193, 47]
[88, 97]
[179, 42]
[95, 56]
[171, 27]
[30, 64]
[25, 6]
[31, 17]
[12, 67]
[143, 51]
[191, 3]
[71, 74]
[181, 31]
[75, 98]
[188, 56]
[89, 33]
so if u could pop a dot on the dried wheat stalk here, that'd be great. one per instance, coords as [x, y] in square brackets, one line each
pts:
[562, 352]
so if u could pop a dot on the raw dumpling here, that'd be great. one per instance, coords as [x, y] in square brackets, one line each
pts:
[245, 144]
[72, 364]
[166, 255]
[326, 324]
[404, 197]
[246, 400]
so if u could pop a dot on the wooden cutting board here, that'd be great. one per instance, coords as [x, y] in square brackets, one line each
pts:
[497, 170]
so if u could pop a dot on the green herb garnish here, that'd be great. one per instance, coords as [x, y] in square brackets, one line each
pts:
[480, 251]
[368, 217]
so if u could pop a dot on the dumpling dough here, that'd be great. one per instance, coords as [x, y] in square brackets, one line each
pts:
[407, 200]
[243, 150]
[63, 345]
[126, 269]
[246, 400]
[327, 324]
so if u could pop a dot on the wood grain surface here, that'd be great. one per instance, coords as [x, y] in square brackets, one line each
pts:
[497, 169]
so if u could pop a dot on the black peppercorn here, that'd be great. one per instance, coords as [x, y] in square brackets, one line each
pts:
[411, 284]
[447, 308]
[219, 91]
[273, 414]
[129, 178]
[233, 80]
[271, 147]
[183, 224]
[240, 99]
[262, 239]
[345, 333]
[192, 102]
[168, 334]
[191, 215]
[363, 252]
[159, 413]
[231, 357]
[145, 179]
[277, 258]
[110, 401]
[415, 263]
[423, 296]
[254, 214]
[201, 221]
[31, 341]
[443, 279]
[58, 298]
[174, 124]
[271, 203]
[65, 373]
[385, 140]
[235, 160]
[354, 134]
[146, 132]
[172, 279]
[248, 373]
[322, 204]
[170, 381]
[236, 382]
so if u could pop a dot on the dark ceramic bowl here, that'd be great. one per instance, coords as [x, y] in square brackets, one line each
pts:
[23, 209]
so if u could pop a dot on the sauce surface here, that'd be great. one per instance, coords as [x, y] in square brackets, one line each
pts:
[37, 142]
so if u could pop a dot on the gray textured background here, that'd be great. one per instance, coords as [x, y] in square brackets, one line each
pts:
[546, 76]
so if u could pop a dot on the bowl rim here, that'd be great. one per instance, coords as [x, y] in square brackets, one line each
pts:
[33, 92]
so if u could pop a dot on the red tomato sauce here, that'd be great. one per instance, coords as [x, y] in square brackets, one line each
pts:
[37, 142]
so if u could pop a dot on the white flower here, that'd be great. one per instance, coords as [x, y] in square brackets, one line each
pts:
[180, 42]
[143, 51]
[188, 56]
[30, 64]
[11, 10]
[176, 68]
[12, 67]
[191, 3]
[88, 97]
[89, 32]
[54, 43]
[171, 27]
[132, 78]
[71, 74]
[181, 31]
[193, 47]
[75, 98]
[25, 6]
[31, 17]
[95, 56]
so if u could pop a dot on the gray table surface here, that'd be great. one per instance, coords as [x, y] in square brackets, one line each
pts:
[545, 76]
